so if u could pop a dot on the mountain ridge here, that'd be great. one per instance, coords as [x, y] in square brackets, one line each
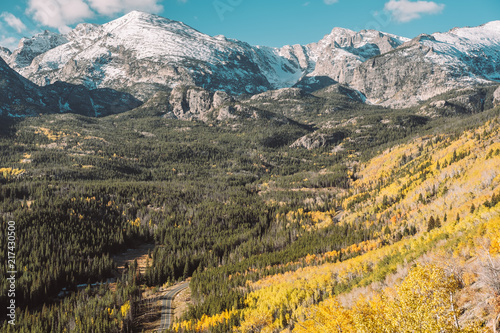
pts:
[142, 54]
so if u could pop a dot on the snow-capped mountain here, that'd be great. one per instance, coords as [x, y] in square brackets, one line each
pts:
[142, 53]
[430, 65]
[469, 51]
[339, 53]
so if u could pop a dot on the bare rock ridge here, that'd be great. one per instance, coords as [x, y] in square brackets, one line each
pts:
[195, 103]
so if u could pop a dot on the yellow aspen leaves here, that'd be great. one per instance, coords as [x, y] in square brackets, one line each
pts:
[328, 317]
[423, 302]
[10, 172]
[125, 309]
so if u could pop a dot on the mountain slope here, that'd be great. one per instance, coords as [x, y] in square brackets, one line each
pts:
[20, 97]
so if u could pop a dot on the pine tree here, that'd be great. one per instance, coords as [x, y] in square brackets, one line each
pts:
[185, 273]
[472, 208]
[431, 224]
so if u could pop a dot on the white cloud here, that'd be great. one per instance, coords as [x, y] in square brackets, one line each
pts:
[62, 13]
[13, 21]
[112, 7]
[405, 10]
[59, 13]
[9, 42]
[330, 2]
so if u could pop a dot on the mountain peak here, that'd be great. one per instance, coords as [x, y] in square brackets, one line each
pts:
[139, 16]
[493, 26]
[142, 23]
[490, 30]
[342, 31]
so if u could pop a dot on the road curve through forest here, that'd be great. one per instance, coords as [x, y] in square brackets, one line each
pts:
[166, 310]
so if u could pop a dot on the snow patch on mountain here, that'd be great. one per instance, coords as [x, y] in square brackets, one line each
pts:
[470, 52]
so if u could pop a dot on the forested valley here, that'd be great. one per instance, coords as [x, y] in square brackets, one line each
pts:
[394, 226]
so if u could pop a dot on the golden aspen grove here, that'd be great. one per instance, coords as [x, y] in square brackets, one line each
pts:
[443, 278]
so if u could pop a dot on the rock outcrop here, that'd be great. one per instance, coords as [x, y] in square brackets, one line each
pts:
[496, 96]
[318, 139]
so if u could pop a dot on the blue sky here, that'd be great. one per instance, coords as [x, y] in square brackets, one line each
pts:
[258, 22]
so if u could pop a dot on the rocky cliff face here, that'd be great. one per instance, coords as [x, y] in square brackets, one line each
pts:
[191, 103]
[402, 77]
[339, 53]
[195, 103]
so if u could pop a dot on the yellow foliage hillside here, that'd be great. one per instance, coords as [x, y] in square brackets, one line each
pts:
[445, 278]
